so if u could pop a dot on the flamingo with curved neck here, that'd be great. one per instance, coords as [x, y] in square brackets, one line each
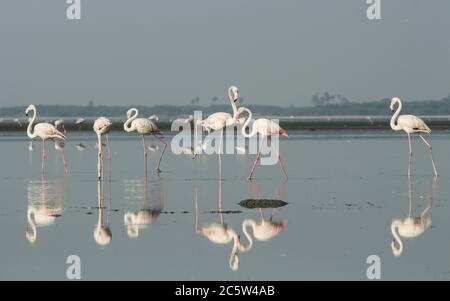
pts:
[144, 126]
[42, 130]
[410, 124]
[266, 128]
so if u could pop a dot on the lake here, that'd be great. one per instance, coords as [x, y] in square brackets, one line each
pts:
[346, 191]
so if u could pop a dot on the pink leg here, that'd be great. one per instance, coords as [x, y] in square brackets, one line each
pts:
[100, 158]
[109, 147]
[43, 156]
[220, 154]
[63, 158]
[430, 150]
[162, 153]
[145, 152]
[410, 155]
[258, 155]
[280, 161]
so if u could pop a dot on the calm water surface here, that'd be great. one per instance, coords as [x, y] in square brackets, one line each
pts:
[345, 190]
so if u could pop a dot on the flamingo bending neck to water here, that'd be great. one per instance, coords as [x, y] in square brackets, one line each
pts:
[43, 130]
[59, 144]
[101, 127]
[410, 124]
[266, 129]
[144, 126]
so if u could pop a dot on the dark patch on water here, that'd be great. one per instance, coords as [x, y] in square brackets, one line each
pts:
[262, 203]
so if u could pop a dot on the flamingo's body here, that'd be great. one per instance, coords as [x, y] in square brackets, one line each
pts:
[140, 220]
[144, 126]
[43, 131]
[101, 127]
[263, 231]
[410, 124]
[266, 129]
[59, 144]
[220, 120]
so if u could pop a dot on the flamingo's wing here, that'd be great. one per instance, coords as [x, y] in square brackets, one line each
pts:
[413, 123]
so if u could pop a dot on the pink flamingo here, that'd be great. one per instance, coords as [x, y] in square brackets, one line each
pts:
[102, 126]
[59, 144]
[410, 124]
[44, 131]
[220, 120]
[144, 126]
[265, 128]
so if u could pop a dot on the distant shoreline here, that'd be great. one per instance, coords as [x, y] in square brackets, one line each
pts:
[287, 122]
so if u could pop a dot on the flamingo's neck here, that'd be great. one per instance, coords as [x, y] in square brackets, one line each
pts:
[127, 125]
[252, 223]
[394, 118]
[234, 259]
[246, 123]
[396, 250]
[30, 130]
[31, 235]
[233, 104]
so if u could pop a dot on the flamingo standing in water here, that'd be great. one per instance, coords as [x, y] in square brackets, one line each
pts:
[410, 124]
[102, 126]
[44, 131]
[266, 129]
[59, 144]
[220, 120]
[144, 126]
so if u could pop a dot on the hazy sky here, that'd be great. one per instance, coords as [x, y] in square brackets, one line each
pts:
[170, 51]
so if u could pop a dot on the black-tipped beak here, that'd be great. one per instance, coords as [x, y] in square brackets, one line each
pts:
[235, 99]
[26, 114]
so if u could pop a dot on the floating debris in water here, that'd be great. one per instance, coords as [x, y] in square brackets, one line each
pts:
[225, 212]
[262, 203]
[80, 147]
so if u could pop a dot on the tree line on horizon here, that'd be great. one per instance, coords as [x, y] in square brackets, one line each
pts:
[325, 104]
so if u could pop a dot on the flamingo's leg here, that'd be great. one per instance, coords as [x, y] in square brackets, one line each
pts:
[162, 153]
[63, 158]
[280, 162]
[430, 150]
[220, 154]
[43, 156]
[100, 157]
[410, 155]
[109, 147]
[258, 155]
[145, 152]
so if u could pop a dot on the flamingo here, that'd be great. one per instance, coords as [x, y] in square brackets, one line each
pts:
[59, 144]
[410, 124]
[266, 128]
[220, 120]
[44, 205]
[44, 131]
[144, 126]
[411, 227]
[101, 127]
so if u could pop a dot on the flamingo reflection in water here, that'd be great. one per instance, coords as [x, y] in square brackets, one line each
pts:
[102, 232]
[135, 221]
[219, 233]
[266, 229]
[45, 204]
[411, 226]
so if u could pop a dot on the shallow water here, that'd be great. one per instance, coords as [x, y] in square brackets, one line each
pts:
[344, 191]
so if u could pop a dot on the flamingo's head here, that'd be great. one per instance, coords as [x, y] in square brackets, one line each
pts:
[102, 235]
[394, 100]
[30, 108]
[233, 92]
[130, 113]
